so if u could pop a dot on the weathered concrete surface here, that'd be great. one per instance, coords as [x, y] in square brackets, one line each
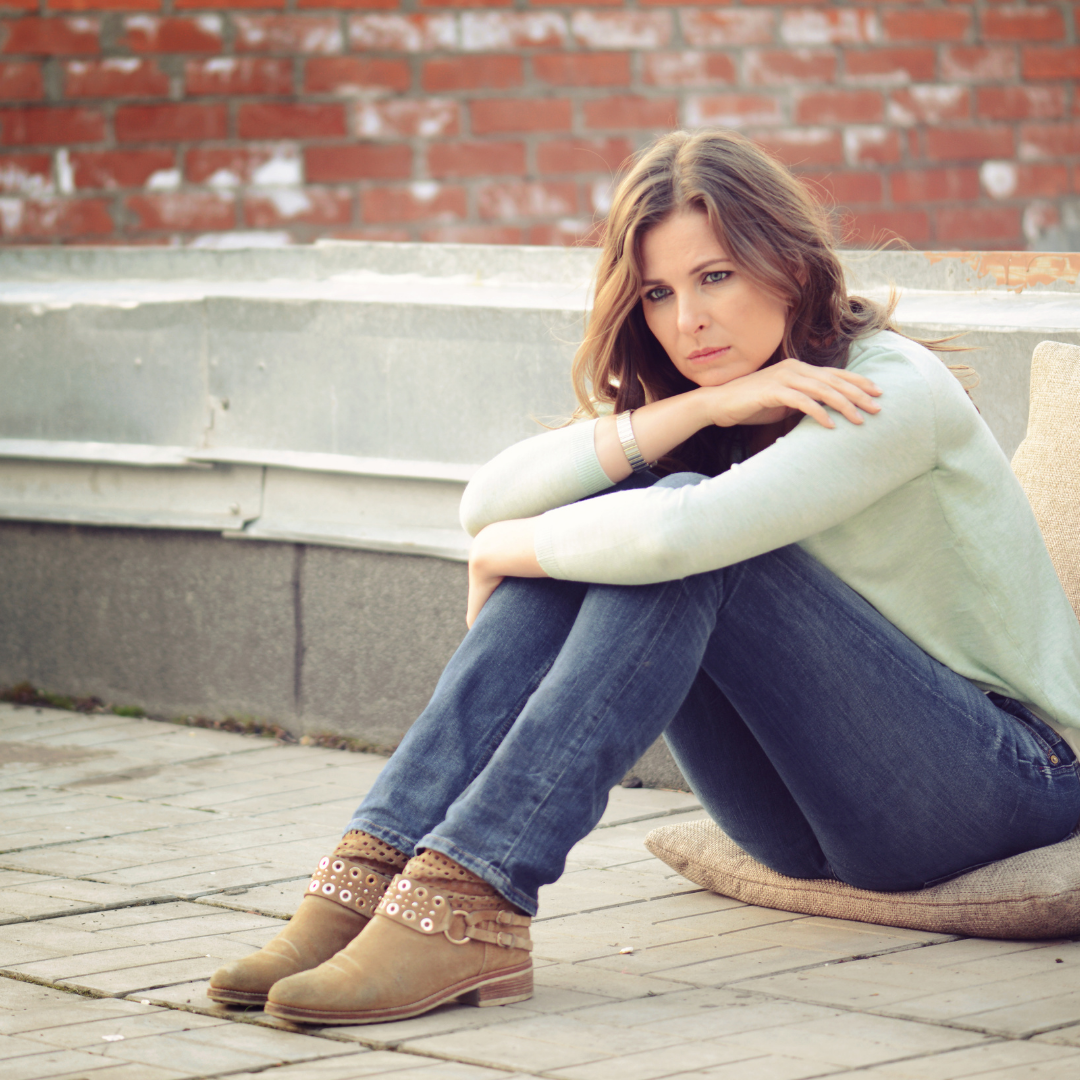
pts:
[141, 856]
[185, 623]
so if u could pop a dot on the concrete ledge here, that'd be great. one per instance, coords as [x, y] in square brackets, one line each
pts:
[316, 639]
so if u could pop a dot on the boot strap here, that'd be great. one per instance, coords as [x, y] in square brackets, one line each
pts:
[349, 883]
[434, 911]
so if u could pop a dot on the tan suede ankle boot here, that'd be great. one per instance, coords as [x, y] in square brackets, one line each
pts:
[427, 945]
[341, 898]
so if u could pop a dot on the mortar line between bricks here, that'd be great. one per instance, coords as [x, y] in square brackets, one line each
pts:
[183, 896]
[90, 909]
[152, 901]
[910, 947]
[621, 904]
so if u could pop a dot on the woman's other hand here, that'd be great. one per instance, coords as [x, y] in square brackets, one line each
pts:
[774, 393]
[502, 549]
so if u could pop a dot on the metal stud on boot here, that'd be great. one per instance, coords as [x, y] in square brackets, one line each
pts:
[341, 898]
[424, 947]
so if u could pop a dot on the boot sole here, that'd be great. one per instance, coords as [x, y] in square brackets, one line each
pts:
[235, 997]
[482, 991]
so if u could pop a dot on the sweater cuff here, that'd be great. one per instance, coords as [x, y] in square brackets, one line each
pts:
[544, 547]
[590, 475]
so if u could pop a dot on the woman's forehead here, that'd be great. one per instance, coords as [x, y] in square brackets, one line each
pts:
[679, 243]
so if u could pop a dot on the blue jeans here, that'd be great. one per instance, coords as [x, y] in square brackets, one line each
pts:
[817, 735]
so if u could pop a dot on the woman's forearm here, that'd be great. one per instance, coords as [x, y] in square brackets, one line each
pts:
[658, 429]
[502, 549]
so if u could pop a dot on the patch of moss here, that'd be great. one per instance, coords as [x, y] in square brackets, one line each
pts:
[25, 693]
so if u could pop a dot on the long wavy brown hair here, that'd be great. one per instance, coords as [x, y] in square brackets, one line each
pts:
[775, 233]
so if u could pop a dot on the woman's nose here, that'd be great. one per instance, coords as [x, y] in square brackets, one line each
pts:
[692, 315]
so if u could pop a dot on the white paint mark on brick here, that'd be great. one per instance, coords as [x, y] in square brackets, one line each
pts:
[393, 119]
[932, 105]
[15, 178]
[163, 180]
[998, 178]
[211, 24]
[424, 190]
[221, 65]
[508, 201]
[621, 29]
[483, 30]
[859, 139]
[124, 64]
[223, 178]
[738, 27]
[289, 202]
[829, 27]
[283, 169]
[11, 215]
[65, 175]
[323, 36]
[403, 33]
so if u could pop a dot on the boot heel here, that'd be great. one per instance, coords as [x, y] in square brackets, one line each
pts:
[517, 987]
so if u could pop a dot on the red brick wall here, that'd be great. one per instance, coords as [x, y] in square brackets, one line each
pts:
[949, 122]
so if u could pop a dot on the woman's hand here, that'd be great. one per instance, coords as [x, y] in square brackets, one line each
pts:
[774, 393]
[503, 549]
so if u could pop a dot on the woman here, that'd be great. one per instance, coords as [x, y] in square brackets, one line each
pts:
[836, 605]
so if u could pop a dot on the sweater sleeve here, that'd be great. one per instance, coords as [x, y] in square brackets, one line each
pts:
[806, 482]
[532, 476]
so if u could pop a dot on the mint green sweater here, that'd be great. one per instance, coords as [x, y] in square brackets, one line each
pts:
[916, 509]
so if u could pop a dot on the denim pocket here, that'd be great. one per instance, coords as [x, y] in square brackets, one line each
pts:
[1057, 752]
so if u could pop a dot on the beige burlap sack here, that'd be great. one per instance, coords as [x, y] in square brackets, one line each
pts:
[1034, 895]
[1047, 462]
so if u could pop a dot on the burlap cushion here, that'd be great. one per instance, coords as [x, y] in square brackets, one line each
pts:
[1034, 895]
[1047, 462]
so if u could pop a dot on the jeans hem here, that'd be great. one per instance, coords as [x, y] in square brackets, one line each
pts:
[483, 870]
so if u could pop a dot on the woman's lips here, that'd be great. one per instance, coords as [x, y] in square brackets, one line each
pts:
[708, 354]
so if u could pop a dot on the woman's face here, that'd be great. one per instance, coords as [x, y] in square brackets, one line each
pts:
[713, 322]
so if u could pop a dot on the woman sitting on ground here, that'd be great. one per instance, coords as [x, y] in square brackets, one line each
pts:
[829, 593]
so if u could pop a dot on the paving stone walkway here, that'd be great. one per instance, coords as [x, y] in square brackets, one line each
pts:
[138, 855]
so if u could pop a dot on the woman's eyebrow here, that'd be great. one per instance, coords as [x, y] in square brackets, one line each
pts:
[695, 270]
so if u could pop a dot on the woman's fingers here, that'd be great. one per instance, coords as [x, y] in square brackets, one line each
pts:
[813, 394]
[796, 399]
[846, 393]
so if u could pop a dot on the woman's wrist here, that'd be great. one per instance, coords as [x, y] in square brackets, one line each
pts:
[658, 428]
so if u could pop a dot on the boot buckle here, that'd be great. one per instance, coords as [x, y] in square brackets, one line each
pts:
[446, 929]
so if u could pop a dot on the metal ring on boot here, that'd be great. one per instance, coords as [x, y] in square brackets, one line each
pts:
[430, 911]
[349, 883]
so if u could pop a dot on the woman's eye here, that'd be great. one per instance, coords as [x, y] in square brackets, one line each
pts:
[659, 293]
[713, 276]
